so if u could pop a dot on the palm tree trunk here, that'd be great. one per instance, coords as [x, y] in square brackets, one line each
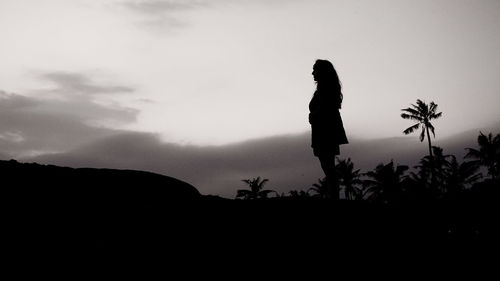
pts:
[348, 192]
[433, 181]
[492, 171]
[429, 140]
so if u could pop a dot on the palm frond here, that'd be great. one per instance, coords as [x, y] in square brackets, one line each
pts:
[422, 134]
[432, 129]
[265, 193]
[413, 111]
[435, 115]
[263, 182]
[496, 139]
[469, 170]
[423, 108]
[473, 153]
[243, 193]
[411, 117]
[401, 169]
[411, 129]
[432, 107]
[483, 140]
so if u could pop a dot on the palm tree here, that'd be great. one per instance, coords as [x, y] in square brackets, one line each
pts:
[461, 176]
[436, 166]
[348, 178]
[422, 114]
[320, 188]
[386, 181]
[418, 185]
[255, 191]
[363, 190]
[488, 154]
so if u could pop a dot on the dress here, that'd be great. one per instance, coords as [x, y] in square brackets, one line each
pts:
[327, 129]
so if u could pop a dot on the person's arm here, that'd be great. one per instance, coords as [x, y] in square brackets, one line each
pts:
[313, 110]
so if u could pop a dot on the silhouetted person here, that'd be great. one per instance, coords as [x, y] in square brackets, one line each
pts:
[326, 124]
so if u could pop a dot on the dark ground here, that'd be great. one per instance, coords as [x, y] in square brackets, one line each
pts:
[105, 215]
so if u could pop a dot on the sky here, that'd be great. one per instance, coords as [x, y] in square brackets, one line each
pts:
[216, 73]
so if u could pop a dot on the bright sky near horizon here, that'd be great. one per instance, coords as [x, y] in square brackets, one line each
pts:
[220, 71]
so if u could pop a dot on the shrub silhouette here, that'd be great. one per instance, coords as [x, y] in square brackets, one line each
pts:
[449, 175]
[256, 190]
[460, 176]
[488, 154]
[299, 193]
[320, 189]
[386, 183]
[436, 167]
[349, 179]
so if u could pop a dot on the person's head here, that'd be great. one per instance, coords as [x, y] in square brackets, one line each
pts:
[323, 71]
[327, 78]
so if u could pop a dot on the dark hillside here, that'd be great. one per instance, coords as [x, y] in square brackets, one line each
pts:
[107, 213]
[61, 185]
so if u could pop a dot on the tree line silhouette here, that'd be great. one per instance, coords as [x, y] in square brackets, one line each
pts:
[437, 176]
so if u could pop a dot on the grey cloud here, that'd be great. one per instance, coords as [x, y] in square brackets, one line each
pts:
[79, 94]
[286, 160]
[163, 6]
[9, 101]
[163, 13]
[167, 13]
[213, 169]
[36, 126]
[70, 82]
[170, 6]
[32, 125]
[143, 100]
[36, 133]
[5, 156]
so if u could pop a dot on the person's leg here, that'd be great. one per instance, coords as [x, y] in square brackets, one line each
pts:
[328, 166]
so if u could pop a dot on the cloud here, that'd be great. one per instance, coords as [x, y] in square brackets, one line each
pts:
[287, 160]
[14, 102]
[36, 126]
[31, 125]
[78, 83]
[162, 7]
[77, 95]
[168, 13]
[162, 13]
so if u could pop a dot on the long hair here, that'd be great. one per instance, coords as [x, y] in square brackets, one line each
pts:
[328, 80]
